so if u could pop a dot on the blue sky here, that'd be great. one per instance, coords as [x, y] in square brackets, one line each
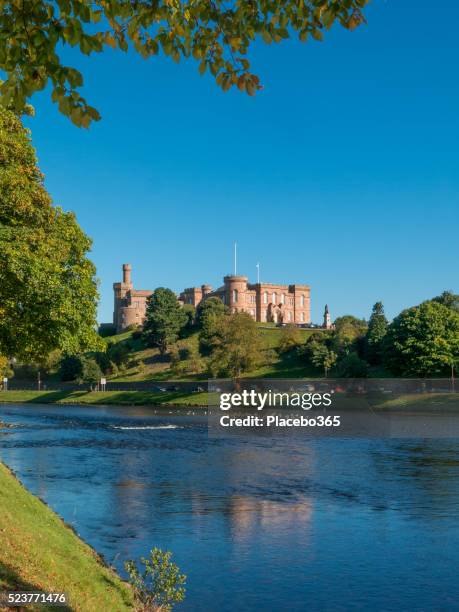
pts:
[342, 173]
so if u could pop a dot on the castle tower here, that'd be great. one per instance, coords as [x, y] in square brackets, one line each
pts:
[327, 319]
[127, 268]
[235, 288]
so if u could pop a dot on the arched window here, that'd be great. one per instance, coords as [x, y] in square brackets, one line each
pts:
[290, 316]
[282, 300]
[302, 301]
[235, 295]
[274, 296]
[302, 317]
[265, 297]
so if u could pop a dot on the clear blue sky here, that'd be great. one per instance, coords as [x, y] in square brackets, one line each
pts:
[343, 173]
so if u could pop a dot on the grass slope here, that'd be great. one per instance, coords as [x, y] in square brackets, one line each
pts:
[38, 552]
[156, 367]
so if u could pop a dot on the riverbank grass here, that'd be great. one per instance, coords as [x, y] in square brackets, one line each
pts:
[38, 552]
[183, 399]
[107, 398]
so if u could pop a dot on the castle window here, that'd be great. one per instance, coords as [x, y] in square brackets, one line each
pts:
[235, 295]
[290, 316]
[265, 297]
[302, 317]
[282, 298]
[274, 296]
[302, 301]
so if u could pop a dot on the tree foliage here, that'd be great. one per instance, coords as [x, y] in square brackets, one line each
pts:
[236, 345]
[164, 319]
[348, 334]
[208, 317]
[351, 366]
[322, 357]
[216, 34]
[71, 367]
[423, 341]
[48, 291]
[377, 329]
[91, 372]
[290, 338]
[190, 312]
[5, 368]
[448, 299]
[160, 585]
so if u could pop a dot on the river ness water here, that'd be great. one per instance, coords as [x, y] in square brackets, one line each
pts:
[256, 523]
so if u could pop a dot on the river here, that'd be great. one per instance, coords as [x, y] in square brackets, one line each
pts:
[256, 523]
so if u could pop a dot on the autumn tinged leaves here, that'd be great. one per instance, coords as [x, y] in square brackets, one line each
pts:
[216, 34]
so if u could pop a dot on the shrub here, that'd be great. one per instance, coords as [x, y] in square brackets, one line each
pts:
[137, 333]
[160, 584]
[118, 353]
[107, 329]
[351, 366]
[71, 367]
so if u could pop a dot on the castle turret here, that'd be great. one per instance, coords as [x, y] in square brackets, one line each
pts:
[127, 268]
[235, 287]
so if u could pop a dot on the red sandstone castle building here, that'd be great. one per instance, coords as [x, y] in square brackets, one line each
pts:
[263, 301]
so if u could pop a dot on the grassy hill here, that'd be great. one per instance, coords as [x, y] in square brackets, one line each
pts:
[38, 552]
[148, 364]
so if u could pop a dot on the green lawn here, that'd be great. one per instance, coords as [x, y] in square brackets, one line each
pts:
[38, 552]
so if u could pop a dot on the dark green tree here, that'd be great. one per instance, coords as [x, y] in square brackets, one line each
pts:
[90, 372]
[208, 318]
[351, 366]
[377, 329]
[119, 353]
[163, 320]
[71, 367]
[217, 35]
[206, 308]
[48, 290]
[449, 299]
[190, 312]
[423, 341]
